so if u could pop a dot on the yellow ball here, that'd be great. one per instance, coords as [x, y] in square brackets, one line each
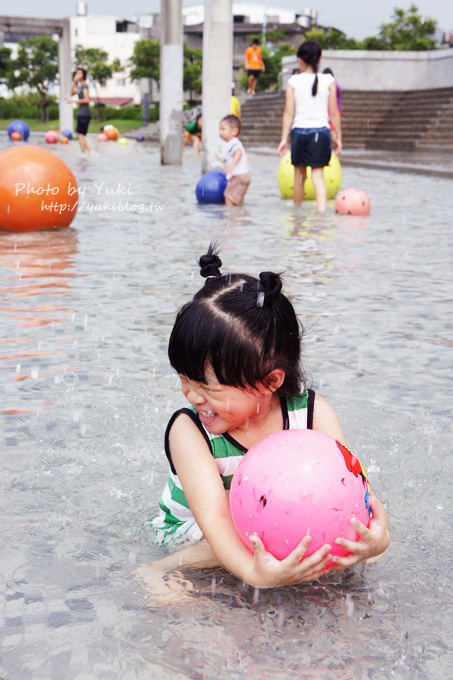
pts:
[285, 178]
[122, 140]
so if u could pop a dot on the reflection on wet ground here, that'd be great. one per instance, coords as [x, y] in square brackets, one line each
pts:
[87, 392]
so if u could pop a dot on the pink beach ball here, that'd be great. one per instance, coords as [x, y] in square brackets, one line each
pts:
[51, 136]
[352, 202]
[296, 483]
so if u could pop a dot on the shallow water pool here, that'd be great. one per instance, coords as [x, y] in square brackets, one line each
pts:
[87, 392]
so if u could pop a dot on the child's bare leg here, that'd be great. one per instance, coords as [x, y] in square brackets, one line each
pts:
[161, 577]
[299, 181]
[317, 176]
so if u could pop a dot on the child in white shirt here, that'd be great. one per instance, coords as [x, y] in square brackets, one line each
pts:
[237, 168]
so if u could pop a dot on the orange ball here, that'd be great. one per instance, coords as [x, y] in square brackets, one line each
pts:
[63, 139]
[111, 133]
[16, 137]
[37, 190]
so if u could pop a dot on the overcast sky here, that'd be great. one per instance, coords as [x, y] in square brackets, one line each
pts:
[357, 18]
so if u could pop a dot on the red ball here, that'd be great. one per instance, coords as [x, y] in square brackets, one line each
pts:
[37, 190]
[51, 137]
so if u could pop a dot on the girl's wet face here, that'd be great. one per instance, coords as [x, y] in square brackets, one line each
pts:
[224, 408]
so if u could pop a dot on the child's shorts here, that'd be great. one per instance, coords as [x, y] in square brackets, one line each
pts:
[310, 147]
[237, 187]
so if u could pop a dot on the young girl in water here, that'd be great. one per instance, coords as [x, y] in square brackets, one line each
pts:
[311, 100]
[236, 348]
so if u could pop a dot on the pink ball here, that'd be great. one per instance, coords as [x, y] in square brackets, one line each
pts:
[102, 137]
[296, 483]
[51, 136]
[352, 202]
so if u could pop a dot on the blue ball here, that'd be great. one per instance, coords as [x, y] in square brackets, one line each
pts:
[19, 126]
[211, 187]
[140, 138]
[67, 133]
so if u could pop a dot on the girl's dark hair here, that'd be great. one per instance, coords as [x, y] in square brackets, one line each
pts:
[84, 71]
[243, 327]
[310, 52]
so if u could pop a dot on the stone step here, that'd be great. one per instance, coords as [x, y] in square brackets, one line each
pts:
[374, 120]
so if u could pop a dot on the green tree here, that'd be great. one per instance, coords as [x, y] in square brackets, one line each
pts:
[5, 62]
[35, 66]
[193, 68]
[95, 61]
[375, 43]
[145, 60]
[334, 40]
[408, 30]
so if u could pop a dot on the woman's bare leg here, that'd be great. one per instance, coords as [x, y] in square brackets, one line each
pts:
[317, 176]
[299, 181]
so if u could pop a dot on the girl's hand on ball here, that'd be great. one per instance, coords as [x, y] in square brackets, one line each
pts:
[374, 539]
[271, 572]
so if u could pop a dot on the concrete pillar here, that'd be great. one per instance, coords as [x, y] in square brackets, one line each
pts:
[171, 79]
[217, 75]
[65, 77]
[144, 90]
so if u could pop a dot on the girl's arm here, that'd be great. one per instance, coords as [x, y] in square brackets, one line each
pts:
[334, 116]
[203, 487]
[288, 115]
[374, 539]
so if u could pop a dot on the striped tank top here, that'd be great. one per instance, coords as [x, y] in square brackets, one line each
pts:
[175, 522]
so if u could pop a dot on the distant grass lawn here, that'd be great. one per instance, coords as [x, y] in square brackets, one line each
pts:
[123, 126]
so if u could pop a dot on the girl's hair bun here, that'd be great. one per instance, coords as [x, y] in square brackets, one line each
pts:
[210, 263]
[270, 286]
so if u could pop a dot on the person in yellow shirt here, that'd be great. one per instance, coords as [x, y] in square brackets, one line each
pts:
[254, 64]
[235, 104]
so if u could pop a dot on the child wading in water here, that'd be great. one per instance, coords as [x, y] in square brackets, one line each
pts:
[237, 167]
[236, 349]
[311, 100]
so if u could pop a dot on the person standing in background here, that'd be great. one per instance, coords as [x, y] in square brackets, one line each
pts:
[340, 108]
[254, 64]
[235, 104]
[311, 100]
[80, 88]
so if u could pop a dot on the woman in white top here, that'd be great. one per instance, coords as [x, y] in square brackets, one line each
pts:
[311, 99]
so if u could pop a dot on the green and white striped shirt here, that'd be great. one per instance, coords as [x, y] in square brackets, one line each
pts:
[175, 522]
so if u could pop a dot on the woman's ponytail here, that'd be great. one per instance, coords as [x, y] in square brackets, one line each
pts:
[310, 53]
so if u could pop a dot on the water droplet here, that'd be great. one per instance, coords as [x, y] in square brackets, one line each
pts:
[349, 605]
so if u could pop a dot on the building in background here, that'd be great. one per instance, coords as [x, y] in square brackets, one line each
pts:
[117, 36]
